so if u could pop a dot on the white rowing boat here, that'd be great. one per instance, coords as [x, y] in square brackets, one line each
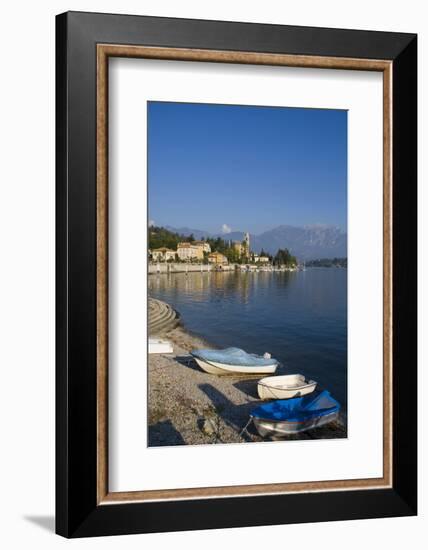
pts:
[285, 387]
[234, 361]
[213, 367]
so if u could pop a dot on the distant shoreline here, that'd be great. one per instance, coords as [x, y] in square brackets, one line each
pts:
[173, 267]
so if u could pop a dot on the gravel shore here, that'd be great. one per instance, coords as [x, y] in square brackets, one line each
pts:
[189, 407]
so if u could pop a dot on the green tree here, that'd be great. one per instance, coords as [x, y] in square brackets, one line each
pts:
[284, 258]
[160, 237]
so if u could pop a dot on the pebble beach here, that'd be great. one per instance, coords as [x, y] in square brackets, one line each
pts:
[187, 406]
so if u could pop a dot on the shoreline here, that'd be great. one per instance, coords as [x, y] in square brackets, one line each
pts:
[187, 406]
[168, 268]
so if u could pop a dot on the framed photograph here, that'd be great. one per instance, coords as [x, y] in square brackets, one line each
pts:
[236, 274]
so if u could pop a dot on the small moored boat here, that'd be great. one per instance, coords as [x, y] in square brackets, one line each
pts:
[156, 345]
[234, 361]
[285, 387]
[290, 416]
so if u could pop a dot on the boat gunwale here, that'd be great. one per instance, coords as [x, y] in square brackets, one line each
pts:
[288, 388]
[216, 363]
[294, 421]
[275, 362]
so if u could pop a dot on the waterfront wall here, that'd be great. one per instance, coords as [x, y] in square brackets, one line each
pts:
[173, 267]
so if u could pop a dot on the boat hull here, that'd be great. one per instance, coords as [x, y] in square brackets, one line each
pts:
[220, 368]
[282, 428]
[284, 387]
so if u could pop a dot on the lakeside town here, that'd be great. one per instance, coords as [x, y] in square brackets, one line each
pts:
[171, 252]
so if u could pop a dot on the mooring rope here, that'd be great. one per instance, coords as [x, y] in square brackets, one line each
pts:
[244, 429]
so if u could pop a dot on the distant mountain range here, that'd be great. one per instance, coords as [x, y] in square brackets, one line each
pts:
[309, 242]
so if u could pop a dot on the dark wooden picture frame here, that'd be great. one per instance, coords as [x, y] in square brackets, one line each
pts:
[84, 505]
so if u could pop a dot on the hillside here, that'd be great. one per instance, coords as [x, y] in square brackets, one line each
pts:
[307, 243]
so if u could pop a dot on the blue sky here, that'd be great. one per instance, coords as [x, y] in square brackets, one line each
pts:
[239, 168]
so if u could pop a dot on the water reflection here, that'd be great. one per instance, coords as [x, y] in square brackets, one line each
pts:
[216, 285]
[299, 317]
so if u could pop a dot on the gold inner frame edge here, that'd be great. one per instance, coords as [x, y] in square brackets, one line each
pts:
[104, 51]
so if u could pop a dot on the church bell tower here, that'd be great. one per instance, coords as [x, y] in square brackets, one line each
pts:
[247, 244]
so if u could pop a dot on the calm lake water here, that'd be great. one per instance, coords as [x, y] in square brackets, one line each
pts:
[300, 318]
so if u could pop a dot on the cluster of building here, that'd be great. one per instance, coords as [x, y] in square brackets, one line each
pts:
[195, 250]
[187, 252]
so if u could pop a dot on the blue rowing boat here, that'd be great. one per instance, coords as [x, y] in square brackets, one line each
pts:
[289, 416]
